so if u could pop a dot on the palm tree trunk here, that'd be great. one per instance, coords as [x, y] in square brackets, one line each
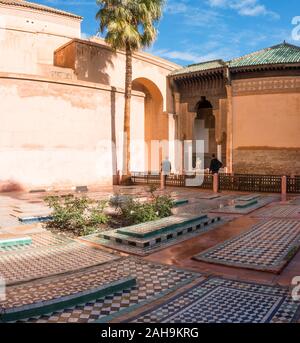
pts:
[128, 88]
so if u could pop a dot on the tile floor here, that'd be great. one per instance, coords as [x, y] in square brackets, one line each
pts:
[153, 281]
[264, 247]
[28, 264]
[54, 266]
[219, 300]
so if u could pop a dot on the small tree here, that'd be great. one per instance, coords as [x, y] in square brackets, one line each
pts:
[129, 25]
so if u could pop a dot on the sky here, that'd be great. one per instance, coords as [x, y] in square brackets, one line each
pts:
[193, 31]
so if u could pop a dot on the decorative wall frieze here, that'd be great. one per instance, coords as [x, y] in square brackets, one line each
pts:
[266, 85]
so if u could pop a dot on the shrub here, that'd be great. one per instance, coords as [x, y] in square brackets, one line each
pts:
[163, 205]
[135, 212]
[76, 215]
[152, 189]
[117, 201]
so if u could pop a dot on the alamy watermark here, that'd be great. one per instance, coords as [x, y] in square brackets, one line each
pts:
[296, 288]
[2, 289]
[186, 156]
[296, 29]
[2, 28]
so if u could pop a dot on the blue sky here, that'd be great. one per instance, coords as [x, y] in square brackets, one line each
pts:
[193, 31]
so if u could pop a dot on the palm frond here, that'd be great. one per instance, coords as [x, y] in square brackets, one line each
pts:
[129, 22]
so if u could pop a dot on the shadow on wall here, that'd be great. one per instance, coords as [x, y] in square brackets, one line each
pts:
[156, 123]
[10, 186]
[113, 136]
[89, 60]
[92, 63]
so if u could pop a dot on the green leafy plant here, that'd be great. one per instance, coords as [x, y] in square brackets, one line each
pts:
[76, 215]
[97, 215]
[118, 200]
[135, 212]
[152, 189]
[163, 205]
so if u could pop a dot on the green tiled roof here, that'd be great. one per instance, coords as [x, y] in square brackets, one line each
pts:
[278, 54]
[200, 67]
[282, 53]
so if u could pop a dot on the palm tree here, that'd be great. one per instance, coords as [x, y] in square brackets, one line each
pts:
[129, 25]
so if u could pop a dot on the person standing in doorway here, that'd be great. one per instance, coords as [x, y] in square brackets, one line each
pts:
[166, 169]
[215, 165]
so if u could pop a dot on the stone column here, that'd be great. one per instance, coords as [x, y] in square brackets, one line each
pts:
[172, 137]
[219, 152]
[215, 183]
[283, 188]
[222, 140]
[176, 103]
[188, 155]
[162, 181]
[229, 152]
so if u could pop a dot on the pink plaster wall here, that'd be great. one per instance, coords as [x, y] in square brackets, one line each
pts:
[271, 120]
[92, 60]
[59, 121]
[59, 135]
[28, 38]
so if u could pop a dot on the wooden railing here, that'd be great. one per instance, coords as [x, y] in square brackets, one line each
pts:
[174, 180]
[227, 182]
[293, 184]
[250, 183]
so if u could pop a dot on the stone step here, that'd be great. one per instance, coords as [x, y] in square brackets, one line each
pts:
[34, 219]
[180, 202]
[29, 212]
[158, 226]
[159, 236]
[246, 204]
[208, 196]
[248, 197]
[10, 242]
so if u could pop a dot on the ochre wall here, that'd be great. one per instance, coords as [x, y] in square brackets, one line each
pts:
[266, 126]
[94, 61]
[59, 121]
[56, 134]
[28, 38]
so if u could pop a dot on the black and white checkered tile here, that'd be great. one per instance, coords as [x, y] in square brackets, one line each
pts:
[39, 240]
[279, 211]
[153, 280]
[266, 246]
[218, 300]
[49, 260]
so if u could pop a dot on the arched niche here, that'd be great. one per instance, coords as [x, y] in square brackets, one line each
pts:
[155, 121]
[205, 129]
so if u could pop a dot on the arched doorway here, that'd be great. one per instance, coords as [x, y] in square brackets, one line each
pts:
[205, 129]
[155, 124]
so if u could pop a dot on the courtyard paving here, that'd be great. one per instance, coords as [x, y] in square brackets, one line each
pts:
[225, 301]
[33, 263]
[268, 246]
[279, 211]
[153, 281]
[231, 279]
